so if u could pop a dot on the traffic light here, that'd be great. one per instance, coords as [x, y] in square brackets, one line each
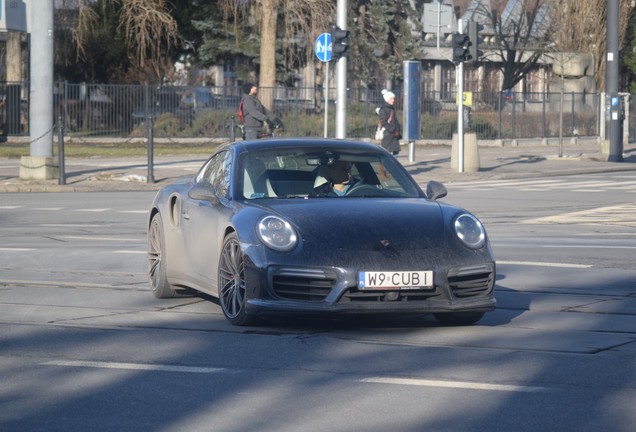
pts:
[339, 43]
[461, 48]
[474, 28]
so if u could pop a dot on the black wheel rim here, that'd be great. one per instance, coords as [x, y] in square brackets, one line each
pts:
[232, 279]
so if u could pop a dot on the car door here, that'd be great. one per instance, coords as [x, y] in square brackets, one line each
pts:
[204, 221]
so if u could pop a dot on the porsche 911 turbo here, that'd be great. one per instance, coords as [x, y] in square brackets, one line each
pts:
[318, 226]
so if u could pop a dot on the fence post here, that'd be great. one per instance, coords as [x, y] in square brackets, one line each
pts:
[151, 177]
[60, 150]
[367, 118]
[514, 115]
[499, 114]
[573, 119]
[66, 113]
[232, 131]
[543, 115]
[13, 109]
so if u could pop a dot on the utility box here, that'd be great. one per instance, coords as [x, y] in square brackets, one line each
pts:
[412, 101]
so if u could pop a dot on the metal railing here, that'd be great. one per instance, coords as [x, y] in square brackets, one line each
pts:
[99, 110]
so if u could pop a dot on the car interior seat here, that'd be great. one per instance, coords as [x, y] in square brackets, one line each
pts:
[256, 183]
[322, 175]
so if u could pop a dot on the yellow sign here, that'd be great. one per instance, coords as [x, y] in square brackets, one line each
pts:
[467, 99]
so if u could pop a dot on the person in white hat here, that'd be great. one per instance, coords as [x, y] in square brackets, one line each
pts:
[388, 120]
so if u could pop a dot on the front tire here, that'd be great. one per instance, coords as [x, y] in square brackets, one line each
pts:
[459, 318]
[232, 291]
[159, 284]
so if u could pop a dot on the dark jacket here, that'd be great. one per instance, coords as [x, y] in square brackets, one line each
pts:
[392, 131]
[255, 113]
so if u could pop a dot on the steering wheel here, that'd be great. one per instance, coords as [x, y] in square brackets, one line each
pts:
[362, 189]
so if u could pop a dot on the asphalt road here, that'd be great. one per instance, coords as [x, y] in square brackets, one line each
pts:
[83, 344]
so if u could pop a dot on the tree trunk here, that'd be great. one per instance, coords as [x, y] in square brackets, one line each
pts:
[14, 57]
[267, 79]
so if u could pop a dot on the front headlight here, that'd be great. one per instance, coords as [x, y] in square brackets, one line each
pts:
[277, 233]
[470, 231]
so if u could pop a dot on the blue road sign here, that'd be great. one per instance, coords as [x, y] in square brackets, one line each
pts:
[322, 47]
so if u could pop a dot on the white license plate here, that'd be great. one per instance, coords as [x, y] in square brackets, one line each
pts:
[395, 280]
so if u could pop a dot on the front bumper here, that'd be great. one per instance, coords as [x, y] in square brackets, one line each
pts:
[280, 290]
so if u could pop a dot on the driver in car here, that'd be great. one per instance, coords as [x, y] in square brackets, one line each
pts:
[340, 181]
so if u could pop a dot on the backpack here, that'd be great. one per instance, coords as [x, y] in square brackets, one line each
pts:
[239, 113]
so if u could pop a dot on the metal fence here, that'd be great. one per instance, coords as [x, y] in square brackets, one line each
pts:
[98, 110]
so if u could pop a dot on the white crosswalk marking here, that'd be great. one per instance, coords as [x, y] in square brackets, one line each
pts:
[618, 215]
[572, 184]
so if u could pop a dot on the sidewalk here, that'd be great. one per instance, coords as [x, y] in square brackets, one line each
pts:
[431, 163]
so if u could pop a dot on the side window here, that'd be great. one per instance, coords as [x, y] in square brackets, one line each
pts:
[218, 172]
[222, 181]
[203, 172]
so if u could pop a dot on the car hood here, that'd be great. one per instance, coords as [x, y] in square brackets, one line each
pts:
[364, 224]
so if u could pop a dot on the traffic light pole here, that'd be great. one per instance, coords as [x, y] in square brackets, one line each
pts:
[459, 69]
[341, 76]
[459, 77]
[612, 78]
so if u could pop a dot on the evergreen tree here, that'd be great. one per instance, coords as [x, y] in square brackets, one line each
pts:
[383, 35]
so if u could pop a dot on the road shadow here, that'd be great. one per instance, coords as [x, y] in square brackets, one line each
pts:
[516, 160]
[426, 166]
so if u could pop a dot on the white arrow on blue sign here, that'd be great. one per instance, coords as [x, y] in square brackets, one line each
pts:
[322, 47]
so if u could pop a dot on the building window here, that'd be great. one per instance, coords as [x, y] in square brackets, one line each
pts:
[471, 79]
[449, 88]
[535, 84]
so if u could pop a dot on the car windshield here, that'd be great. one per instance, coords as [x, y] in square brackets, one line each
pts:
[310, 173]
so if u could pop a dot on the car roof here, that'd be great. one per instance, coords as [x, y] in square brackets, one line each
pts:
[264, 144]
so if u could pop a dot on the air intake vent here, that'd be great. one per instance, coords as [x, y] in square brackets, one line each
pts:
[303, 284]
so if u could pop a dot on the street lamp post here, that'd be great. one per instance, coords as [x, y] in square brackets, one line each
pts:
[612, 73]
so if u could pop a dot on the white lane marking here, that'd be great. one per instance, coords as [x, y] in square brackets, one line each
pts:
[588, 247]
[95, 210]
[71, 225]
[454, 384]
[48, 208]
[605, 234]
[10, 207]
[545, 264]
[134, 366]
[499, 183]
[8, 249]
[101, 238]
[130, 252]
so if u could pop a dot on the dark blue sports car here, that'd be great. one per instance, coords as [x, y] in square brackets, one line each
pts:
[315, 226]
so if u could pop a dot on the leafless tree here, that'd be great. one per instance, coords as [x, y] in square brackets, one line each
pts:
[521, 36]
[302, 21]
[580, 27]
[149, 30]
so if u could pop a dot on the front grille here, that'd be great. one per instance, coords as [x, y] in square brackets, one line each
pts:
[303, 284]
[356, 295]
[471, 281]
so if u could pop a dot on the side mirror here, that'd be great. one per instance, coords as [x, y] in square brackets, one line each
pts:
[203, 192]
[435, 190]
